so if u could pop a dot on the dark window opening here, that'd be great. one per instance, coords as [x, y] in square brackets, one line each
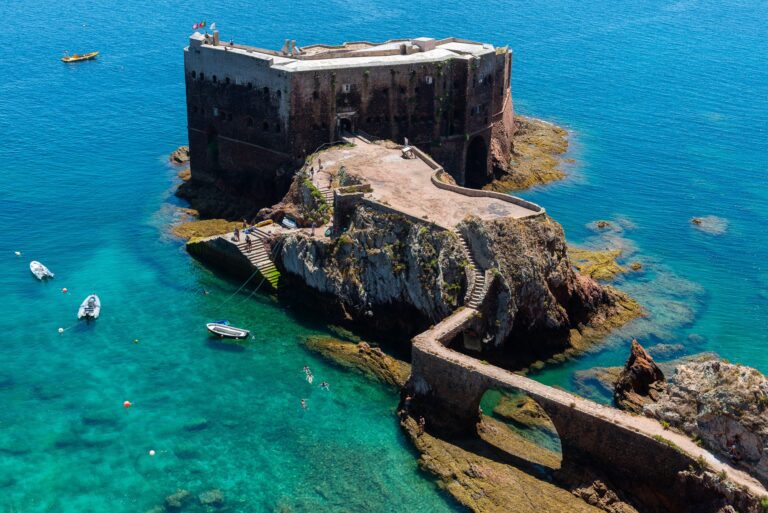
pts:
[250, 85]
[402, 90]
[476, 170]
[266, 91]
[277, 128]
[249, 122]
[229, 116]
[315, 95]
[265, 126]
[214, 79]
[194, 74]
[202, 76]
[416, 90]
[226, 79]
[279, 93]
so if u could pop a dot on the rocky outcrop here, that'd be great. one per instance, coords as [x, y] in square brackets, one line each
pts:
[385, 272]
[371, 361]
[640, 382]
[537, 304]
[205, 228]
[537, 147]
[180, 155]
[597, 264]
[725, 406]
[304, 203]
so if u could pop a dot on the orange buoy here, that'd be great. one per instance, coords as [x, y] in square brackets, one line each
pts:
[127, 404]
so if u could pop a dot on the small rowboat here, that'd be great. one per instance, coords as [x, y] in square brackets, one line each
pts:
[90, 308]
[78, 57]
[224, 330]
[40, 271]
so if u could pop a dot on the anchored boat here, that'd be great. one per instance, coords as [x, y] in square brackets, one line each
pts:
[79, 57]
[40, 271]
[224, 330]
[90, 308]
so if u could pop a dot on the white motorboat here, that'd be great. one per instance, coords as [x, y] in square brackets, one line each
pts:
[40, 271]
[224, 330]
[90, 308]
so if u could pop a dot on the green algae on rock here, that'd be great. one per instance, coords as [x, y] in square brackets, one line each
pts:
[204, 228]
[537, 149]
[371, 361]
[598, 264]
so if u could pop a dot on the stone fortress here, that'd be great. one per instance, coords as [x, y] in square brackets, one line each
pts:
[255, 114]
[406, 242]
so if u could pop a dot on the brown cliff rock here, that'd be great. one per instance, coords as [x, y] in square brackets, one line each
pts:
[640, 382]
[725, 406]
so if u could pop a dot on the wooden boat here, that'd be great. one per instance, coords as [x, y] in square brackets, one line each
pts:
[79, 57]
[224, 330]
[40, 271]
[90, 308]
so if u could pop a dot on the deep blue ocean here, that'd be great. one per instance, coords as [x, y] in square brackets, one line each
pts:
[667, 103]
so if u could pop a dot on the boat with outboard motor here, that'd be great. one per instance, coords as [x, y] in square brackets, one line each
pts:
[40, 271]
[224, 330]
[90, 308]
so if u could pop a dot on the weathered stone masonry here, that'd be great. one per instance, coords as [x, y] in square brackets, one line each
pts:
[254, 114]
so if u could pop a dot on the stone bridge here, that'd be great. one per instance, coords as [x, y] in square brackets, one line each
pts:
[635, 452]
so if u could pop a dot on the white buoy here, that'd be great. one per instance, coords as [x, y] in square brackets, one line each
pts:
[61, 330]
[152, 452]
[18, 253]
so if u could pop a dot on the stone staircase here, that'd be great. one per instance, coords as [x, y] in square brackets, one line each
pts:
[477, 286]
[259, 257]
[327, 194]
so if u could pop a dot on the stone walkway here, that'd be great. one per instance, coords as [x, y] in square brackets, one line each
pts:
[430, 341]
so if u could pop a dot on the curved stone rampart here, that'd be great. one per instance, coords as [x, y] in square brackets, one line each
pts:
[479, 193]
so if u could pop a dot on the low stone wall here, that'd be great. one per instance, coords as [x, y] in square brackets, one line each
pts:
[475, 193]
[386, 209]
[478, 193]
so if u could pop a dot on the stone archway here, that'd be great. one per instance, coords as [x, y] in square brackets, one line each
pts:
[516, 424]
[476, 169]
[345, 125]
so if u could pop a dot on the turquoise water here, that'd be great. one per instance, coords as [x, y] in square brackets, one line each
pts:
[667, 105]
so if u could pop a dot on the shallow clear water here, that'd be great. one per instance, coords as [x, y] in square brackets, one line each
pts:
[667, 105]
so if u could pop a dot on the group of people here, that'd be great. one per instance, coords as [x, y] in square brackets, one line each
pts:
[406, 411]
[310, 378]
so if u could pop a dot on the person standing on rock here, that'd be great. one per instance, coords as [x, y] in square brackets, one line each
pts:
[237, 235]
[422, 425]
[248, 243]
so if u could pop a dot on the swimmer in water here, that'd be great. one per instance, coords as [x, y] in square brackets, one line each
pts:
[310, 378]
[304, 404]
[325, 386]
[306, 370]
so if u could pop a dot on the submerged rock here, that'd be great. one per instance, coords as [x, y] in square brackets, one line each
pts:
[640, 382]
[725, 406]
[213, 497]
[178, 500]
[712, 225]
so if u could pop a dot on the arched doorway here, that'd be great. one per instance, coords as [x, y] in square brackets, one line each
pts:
[212, 147]
[345, 126]
[476, 170]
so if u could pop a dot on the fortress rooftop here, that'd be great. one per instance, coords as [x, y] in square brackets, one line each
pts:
[354, 54]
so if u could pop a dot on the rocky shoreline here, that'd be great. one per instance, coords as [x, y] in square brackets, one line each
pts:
[537, 150]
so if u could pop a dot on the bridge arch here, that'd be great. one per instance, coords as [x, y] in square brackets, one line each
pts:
[515, 424]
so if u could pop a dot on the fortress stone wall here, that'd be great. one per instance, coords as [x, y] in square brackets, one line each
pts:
[254, 114]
